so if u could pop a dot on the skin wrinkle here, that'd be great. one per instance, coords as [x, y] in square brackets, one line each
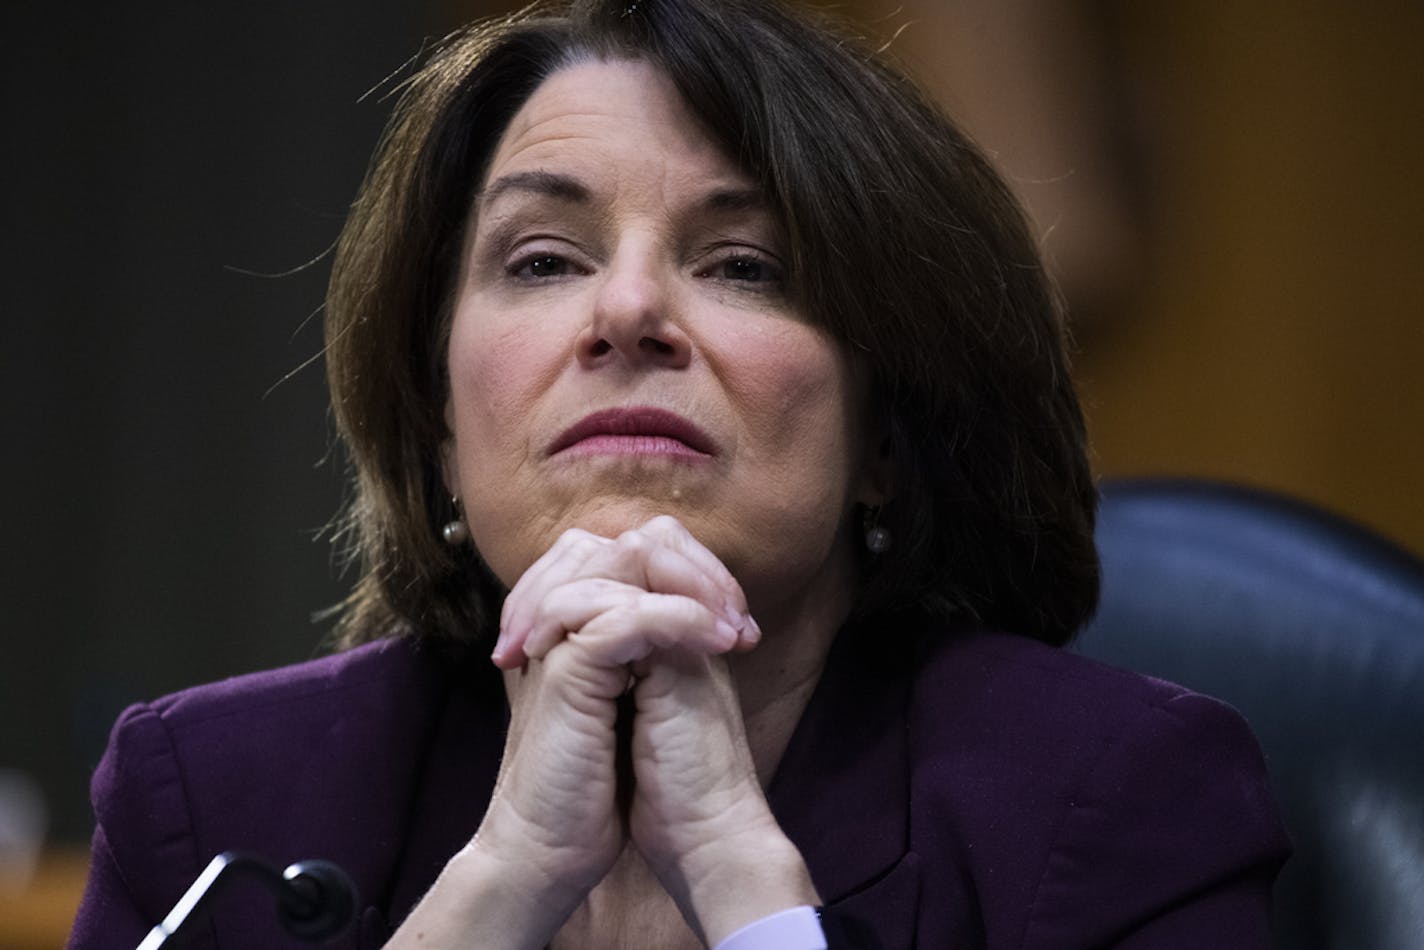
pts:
[636, 228]
[860, 208]
[557, 205]
[674, 197]
[534, 182]
[791, 522]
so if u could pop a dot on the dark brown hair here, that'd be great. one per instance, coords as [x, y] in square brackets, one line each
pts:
[905, 245]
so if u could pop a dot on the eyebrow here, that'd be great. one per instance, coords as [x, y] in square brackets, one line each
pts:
[550, 184]
[570, 189]
[735, 199]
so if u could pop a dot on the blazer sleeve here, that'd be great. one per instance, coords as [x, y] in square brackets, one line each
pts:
[1171, 841]
[144, 854]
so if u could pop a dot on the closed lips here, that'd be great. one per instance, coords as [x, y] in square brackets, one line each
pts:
[635, 422]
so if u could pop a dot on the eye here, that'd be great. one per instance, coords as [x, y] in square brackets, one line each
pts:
[538, 266]
[746, 267]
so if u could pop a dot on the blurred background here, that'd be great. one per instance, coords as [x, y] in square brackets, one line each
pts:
[1229, 193]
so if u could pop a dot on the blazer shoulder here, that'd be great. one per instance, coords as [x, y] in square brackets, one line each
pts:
[158, 748]
[384, 671]
[1020, 675]
[317, 758]
[251, 744]
[1089, 800]
[1023, 711]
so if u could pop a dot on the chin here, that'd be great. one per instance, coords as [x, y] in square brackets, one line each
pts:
[609, 518]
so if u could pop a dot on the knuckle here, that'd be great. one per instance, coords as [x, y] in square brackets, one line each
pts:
[554, 605]
[634, 540]
[571, 536]
[665, 524]
[577, 542]
[632, 550]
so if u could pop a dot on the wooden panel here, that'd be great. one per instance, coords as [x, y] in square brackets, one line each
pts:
[36, 914]
[1278, 341]
[1247, 295]
[1269, 330]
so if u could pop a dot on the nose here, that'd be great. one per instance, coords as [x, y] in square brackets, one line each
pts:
[633, 314]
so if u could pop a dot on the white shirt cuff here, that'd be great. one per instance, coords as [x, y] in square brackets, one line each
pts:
[796, 929]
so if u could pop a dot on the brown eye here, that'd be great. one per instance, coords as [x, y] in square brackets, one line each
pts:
[746, 268]
[541, 265]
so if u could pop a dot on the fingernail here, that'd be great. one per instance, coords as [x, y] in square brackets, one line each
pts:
[752, 630]
[726, 633]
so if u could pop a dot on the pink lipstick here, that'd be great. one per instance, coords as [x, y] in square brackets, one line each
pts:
[636, 430]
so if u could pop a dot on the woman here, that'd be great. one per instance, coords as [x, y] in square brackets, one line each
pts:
[704, 378]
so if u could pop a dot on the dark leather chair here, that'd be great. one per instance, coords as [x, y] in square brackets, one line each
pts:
[1314, 629]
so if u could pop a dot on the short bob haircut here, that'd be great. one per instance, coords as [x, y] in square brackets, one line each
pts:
[904, 245]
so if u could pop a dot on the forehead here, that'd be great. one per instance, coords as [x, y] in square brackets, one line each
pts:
[616, 117]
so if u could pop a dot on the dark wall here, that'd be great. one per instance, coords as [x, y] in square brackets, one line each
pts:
[165, 441]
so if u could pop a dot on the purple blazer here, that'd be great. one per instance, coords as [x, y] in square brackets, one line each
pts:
[978, 790]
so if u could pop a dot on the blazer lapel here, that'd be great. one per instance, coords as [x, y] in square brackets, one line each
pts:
[841, 792]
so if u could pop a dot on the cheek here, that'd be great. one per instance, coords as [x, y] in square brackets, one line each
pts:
[496, 374]
[798, 391]
[799, 376]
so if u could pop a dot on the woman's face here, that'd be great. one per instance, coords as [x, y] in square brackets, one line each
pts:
[624, 346]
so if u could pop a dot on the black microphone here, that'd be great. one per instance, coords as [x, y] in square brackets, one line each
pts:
[315, 899]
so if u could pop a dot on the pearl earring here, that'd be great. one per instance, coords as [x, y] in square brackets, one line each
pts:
[455, 531]
[877, 537]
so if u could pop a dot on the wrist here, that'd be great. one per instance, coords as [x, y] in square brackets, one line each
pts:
[533, 859]
[743, 880]
[480, 900]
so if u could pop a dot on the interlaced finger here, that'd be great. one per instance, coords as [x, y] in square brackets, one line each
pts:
[660, 557]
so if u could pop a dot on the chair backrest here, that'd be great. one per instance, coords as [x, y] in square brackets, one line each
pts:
[1314, 629]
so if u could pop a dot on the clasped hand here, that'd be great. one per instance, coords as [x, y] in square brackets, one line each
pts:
[649, 614]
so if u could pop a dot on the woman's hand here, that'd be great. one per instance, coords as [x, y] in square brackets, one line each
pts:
[648, 600]
[699, 817]
[593, 618]
[654, 586]
[573, 625]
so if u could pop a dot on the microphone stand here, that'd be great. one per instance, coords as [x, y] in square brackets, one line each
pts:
[315, 899]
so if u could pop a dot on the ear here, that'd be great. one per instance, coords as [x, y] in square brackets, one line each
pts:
[876, 486]
[449, 456]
